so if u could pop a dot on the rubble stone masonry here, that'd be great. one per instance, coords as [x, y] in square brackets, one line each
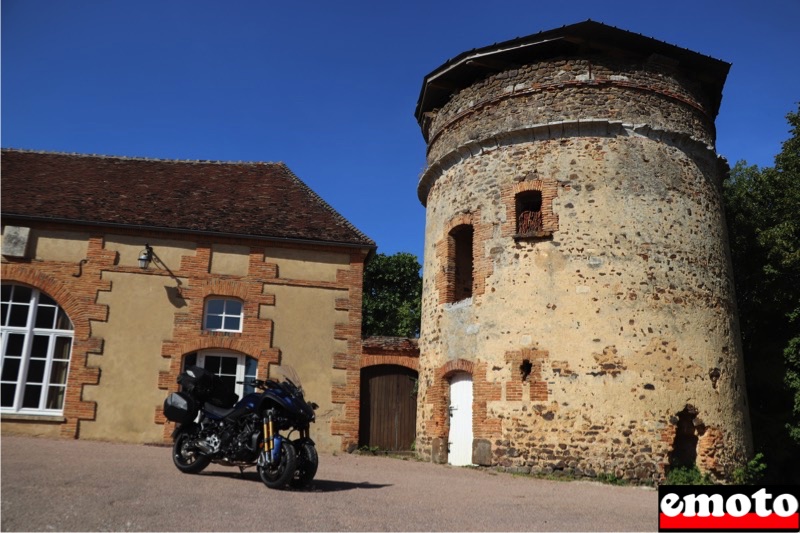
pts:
[587, 339]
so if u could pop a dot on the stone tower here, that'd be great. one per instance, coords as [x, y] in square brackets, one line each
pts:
[578, 305]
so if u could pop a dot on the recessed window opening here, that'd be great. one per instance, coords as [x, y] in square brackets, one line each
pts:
[223, 314]
[462, 237]
[529, 213]
[36, 346]
[684, 448]
[525, 369]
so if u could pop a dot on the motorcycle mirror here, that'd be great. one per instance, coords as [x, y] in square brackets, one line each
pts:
[314, 406]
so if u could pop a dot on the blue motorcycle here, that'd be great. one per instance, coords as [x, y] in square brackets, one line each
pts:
[214, 426]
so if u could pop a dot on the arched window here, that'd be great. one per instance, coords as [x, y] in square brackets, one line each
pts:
[223, 314]
[231, 367]
[37, 343]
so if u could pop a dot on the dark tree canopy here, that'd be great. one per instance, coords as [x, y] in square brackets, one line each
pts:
[392, 296]
[763, 212]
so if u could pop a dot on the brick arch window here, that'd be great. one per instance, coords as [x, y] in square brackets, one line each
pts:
[530, 214]
[223, 314]
[235, 369]
[460, 263]
[36, 346]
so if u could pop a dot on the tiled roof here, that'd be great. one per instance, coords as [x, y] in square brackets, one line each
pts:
[263, 200]
[390, 344]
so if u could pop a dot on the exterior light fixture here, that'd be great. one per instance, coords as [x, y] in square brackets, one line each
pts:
[145, 256]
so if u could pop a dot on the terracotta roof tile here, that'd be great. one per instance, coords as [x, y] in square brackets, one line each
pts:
[264, 200]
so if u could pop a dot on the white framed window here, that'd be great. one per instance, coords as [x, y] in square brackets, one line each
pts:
[36, 337]
[232, 368]
[223, 314]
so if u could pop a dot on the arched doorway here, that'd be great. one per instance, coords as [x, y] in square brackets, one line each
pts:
[388, 417]
[460, 435]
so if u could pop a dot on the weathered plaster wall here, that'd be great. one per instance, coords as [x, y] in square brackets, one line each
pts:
[133, 327]
[625, 314]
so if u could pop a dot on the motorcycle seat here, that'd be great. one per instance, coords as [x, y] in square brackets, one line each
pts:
[220, 412]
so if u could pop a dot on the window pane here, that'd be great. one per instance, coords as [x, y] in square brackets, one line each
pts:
[250, 367]
[63, 321]
[216, 307]
[10, 369]
[21, 294]
[4, 313]
[39, 346]
[229, 365]
[58, 373]
[212, 364]
[7, 391]
[233, 307]
[55, 398]
[14, 344]
[213, 322]
[229, 382]
[45, 317]
[190, 360]
[232, 323]
[19, 316]
[35, 371]
[46, 300]
[62, 349]
[31, 396]
[5, 293]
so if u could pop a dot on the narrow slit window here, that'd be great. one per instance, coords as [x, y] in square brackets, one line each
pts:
[462, 262]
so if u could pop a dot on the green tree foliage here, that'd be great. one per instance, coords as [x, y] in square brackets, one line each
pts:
[392, 296]
[763, 211]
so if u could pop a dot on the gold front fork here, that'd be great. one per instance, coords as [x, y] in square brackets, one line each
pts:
[268, 429]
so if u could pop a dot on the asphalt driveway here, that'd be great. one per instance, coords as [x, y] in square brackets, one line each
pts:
[57, 485]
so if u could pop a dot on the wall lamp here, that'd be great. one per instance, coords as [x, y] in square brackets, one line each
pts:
[145, 256]
[148, 255]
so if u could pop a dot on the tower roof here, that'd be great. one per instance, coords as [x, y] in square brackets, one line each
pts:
[583, 38]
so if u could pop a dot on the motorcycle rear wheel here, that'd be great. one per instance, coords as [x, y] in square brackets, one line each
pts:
[307, 463]
[278, 476]
[187, 458]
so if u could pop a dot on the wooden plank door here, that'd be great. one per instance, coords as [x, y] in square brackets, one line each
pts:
[388, 407]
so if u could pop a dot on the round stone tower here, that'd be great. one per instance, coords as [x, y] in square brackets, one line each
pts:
[578, 312]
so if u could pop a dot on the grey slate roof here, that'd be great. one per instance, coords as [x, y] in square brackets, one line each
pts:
[262, 200]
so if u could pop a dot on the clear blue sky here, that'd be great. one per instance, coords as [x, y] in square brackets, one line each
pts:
[329, 88]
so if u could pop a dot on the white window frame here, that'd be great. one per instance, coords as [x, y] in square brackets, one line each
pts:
[225, 314]
[30, 332]
[241, 366]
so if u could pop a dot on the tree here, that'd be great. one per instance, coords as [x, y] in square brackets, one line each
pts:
[392, 296]
[763, 212]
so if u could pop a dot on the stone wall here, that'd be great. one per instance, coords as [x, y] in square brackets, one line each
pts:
[586, 340]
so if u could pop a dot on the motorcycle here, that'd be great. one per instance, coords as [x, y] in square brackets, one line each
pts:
[214, 426]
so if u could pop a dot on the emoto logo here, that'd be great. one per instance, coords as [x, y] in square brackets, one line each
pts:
[728, 508]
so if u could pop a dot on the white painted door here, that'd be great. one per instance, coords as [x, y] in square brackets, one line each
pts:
[460, 437]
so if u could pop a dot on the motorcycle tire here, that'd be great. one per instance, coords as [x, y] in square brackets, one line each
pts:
[307, 463]
[187, 459]
[279, 475]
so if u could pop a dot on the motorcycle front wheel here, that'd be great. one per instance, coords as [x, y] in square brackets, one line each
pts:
[187, 458]
[307, 463]
[278, 475]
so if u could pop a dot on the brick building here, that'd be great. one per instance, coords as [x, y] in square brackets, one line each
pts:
[249, 268]
[578, 306]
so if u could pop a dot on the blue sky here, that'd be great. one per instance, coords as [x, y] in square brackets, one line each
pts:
[330, 88]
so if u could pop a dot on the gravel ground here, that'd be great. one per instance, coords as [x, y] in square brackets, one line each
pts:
[59, 485]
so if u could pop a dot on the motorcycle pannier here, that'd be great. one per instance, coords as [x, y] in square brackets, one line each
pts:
[197, 380]
[180, 407]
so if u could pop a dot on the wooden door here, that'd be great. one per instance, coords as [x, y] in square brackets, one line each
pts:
[388, 407]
